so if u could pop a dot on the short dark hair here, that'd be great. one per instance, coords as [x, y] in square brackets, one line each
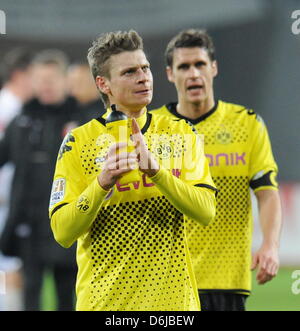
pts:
[17, 59]
[109, 44]
[52, 56]
[187, 39]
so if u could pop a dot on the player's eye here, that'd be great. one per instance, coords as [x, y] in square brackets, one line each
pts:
[146, 68]
[129, 72]
[183, 66]
[200, 64]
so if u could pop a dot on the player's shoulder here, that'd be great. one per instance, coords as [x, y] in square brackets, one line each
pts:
[174, 124]
[244, 113]
[90, 128]
[167, 110]
[162, 110]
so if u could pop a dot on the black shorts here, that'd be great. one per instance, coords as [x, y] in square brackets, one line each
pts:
[222, 301]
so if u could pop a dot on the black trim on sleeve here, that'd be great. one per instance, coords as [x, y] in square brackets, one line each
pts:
[203, 291]
[265, 180]
[209, 187]
[56, 208]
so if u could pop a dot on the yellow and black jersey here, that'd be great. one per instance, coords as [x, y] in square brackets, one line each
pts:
[131, 242]
[238, 149]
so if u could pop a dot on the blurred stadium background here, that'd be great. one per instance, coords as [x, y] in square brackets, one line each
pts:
[259, 67]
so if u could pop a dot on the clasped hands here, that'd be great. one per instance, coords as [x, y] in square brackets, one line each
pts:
[119, 163]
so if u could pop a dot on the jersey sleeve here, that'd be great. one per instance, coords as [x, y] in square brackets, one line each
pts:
[73, 203]
[193, 192]
[263, 168]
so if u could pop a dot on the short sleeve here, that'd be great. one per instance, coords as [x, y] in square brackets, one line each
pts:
[263, 168]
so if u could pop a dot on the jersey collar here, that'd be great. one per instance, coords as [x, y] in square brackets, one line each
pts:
[143, 121]
[172, 109]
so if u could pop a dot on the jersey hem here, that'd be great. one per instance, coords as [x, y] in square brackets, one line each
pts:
[237, 291]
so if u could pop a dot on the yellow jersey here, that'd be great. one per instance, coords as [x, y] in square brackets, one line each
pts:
[131, 241]
[238, 149]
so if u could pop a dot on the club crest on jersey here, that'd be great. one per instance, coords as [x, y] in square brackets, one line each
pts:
[163, 150]
[64, 146]
[83, 204]
[223, 136]
[58, 191]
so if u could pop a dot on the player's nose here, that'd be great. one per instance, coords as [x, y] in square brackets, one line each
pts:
[194, 72]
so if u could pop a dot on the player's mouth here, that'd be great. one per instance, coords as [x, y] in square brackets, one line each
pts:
[143, 92]
[195, 88]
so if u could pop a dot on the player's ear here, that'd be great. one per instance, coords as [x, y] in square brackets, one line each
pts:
[169, 72]
[103, 84]
[215, 68]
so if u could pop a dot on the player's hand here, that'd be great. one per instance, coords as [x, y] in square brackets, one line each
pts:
[267, 261]
[146, 161]
[116, 165]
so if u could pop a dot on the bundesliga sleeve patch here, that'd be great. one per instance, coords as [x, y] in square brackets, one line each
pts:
[58, 191]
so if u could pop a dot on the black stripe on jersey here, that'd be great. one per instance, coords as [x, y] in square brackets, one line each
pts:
[101, 120]
[172, 109]
[209, 187]
[147, 124]
[203, 291]
[143, 130]
[265, 180]
[249, 111]
[56, 208]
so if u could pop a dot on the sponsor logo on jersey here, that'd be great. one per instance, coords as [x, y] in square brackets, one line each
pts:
[144, 182]
[228, 159]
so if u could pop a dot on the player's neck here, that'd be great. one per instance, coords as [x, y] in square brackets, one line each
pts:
[131, 112]
[134, 114]
[195, 110]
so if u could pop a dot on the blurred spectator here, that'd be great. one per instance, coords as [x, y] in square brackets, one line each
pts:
[82, 87]
[16, 90]
[31, 142]
[15, 75]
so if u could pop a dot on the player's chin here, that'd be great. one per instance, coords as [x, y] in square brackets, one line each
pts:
[144, 100]
[197, 98]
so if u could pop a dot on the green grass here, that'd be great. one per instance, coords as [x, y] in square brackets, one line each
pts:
[48, 293]
[273, 296]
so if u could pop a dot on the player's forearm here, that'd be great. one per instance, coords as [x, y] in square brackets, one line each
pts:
[74, 219]
[270, 216]
[196, 203]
